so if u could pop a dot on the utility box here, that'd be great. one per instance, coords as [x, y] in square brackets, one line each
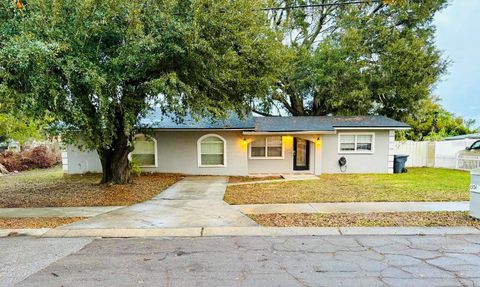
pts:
[475, 193]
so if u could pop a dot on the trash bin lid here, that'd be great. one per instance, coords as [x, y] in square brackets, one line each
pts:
[400, 155]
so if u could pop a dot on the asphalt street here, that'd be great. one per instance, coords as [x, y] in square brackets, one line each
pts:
[452, 260]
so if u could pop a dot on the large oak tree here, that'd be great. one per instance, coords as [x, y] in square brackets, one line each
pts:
[97, 66]
[378, 57]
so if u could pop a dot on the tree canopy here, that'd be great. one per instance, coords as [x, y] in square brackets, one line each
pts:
[433, 122]
[371, 58]
[19, 129]
[97, 66]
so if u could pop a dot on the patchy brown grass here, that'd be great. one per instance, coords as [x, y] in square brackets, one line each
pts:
[419, 184]
[425, 219]
[237, 179]
[51, 188]
[36, 222]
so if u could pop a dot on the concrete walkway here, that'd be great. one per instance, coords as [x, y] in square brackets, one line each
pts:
[195, 201]
[56, 211]
[353, 207]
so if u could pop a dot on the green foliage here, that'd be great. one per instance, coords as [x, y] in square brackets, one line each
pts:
[97, 66]
[136, 169]
[357, 59]
[19, 129]
[432, 122]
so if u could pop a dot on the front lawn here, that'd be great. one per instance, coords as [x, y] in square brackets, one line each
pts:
[51, 188]
[419, 184]
[424, 219]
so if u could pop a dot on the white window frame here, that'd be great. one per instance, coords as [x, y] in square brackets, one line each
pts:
[156, 149]
[356, 151]
[199, 151]
[266, 150]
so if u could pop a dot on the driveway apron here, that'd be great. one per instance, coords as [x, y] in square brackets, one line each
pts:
[196, 201]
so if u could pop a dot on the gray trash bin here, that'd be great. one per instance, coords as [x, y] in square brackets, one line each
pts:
[399, 161]
[475, 193]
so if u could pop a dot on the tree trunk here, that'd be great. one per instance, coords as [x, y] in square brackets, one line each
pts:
[116, 166]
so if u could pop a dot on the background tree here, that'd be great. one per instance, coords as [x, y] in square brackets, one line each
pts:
[433, 122]
[97, 66]
[370, 58]
[19, 129]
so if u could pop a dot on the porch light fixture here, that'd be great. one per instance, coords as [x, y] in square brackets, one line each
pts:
[288, 138]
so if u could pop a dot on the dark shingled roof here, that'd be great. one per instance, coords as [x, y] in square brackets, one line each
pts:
[156, 120]
[323, 123]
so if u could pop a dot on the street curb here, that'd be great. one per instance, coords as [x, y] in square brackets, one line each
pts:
[238, 231]
[270, 231]
[125, 233]
[33, 232]
[460, 230]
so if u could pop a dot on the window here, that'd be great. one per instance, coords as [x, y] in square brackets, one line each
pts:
[269, 147]
[211, 151]
[145, 151]
[356, 143]
[475, 145]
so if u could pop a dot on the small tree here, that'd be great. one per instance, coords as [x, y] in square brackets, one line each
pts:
[97, 66]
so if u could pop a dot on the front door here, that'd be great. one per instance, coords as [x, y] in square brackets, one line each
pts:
[301, 154]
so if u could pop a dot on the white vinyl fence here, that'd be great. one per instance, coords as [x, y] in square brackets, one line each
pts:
[442, 154]
[420, 154]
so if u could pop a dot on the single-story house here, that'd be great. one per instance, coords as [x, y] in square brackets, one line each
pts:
[257, 145]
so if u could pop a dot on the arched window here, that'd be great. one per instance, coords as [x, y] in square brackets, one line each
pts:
[145, 151]
[212, 151]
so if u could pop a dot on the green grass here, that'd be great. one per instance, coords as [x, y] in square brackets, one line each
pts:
[419, 184]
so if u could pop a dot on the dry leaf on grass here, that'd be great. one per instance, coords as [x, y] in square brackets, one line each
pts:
[50, 188]
[366, 219]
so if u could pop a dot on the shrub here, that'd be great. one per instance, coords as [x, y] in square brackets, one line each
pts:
[38, 157]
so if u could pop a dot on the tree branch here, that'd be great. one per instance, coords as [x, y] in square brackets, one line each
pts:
[262, 113]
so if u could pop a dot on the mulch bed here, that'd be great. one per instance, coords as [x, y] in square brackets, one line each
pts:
[425, 219]
[36, 222]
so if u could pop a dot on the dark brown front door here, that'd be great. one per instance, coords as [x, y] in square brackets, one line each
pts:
[301, 154]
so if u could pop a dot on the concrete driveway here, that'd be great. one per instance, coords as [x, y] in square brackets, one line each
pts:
[195, 201]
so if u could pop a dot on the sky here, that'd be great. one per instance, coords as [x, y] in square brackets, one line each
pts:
[458, 37]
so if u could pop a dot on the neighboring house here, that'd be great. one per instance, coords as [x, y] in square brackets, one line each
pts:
[257, 145]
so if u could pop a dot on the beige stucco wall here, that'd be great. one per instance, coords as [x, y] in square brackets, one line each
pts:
[377, 162]
[177, 152]
[76, 161]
